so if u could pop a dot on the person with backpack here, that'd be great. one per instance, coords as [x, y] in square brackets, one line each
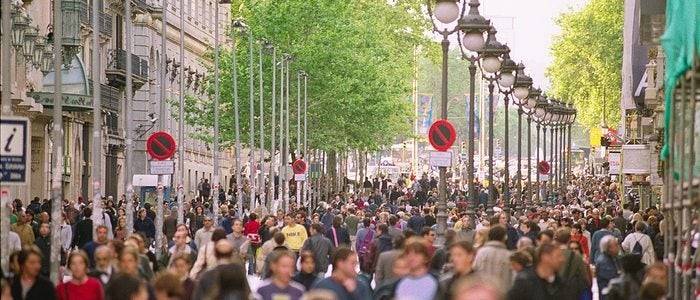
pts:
[364, 238]
[574, 272]
[640, 244]
[382, 243]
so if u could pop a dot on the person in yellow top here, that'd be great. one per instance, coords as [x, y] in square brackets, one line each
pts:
[24, 230]
[295, 234]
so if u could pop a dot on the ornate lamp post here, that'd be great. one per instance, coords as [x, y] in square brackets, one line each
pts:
[506, 81]
[490, 65]
[521, 90]
[529, 110]
[30, 37]
[446, 12]
[472, 27]
[19, 27]
[540, 114]
[71, 39]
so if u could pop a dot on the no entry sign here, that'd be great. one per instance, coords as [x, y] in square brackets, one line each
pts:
[161, 145]
[299, 166]
[442, 135]
[543, 167]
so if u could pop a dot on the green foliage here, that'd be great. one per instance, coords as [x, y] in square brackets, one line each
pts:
[360, 59]
[588, 61]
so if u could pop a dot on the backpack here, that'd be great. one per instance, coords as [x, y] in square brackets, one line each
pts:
[365, 242]
[637, 249]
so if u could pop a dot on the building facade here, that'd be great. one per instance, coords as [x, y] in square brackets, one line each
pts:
[33, 85]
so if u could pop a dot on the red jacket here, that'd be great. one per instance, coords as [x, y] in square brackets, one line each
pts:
[251, 227]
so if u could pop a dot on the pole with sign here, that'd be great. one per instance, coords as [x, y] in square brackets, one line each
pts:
[14, 163]
[441, 136]
[161, 147]
[299, 169]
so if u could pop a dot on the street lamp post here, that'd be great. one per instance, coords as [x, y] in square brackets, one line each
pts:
[446, 12]
[521, 90]
[529, 110]
[506, 81]
[237, 24]
[472, 26]
[490, 64]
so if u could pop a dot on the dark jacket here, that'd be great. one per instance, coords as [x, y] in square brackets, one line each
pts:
[380, 244]
[321, 247]
[83, 233]
[146, 227]
[44, 244]
[529, 286]
[342, 235]
[513, 237]
[41, 290]
[416, 223]
[606, 268]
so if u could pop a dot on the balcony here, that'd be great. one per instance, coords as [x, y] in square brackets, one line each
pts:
[105, 20]
[116, 70]
[80, 102]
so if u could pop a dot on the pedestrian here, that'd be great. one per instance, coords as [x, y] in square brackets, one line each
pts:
[166, 286]
[29, 284]
[493, 259]
[343, 282]
[640, 244]
[203, 234]
[227, 280]
[606, 264]
[104, 268]
[206, 258]
[295, 234]
[43, 242]
[628, 285]
[337, 234]
[281, 285]
[462, 258]
[320, 247]
[419, 283]
[542, 281]
[80, 286]
[386, 262]
[126, 287]
[144, 225]
[307, 275]
[23, 228]
[101, 240]
[180, 266]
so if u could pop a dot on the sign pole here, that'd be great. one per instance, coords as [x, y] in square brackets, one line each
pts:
[216, 180]
[161, 116]
[5, 208]
[129, 143]
[181, 124]
[97, 218]
[251, 110]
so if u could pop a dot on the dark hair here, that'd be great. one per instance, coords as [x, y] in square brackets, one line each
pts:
[306, 255]
[425, 231]
[604, 222]
[233, 282]
[122, 287]
[252, 217]
[218, 234]
[340, 254]
[366, 222]
[317, 227]
[337, 221]
[497, 233]
[279, 238]
[399, 241]
[182, 256]
[639, 226]
[383, 228]
[416, 245]
[522, 257]
[392, 220]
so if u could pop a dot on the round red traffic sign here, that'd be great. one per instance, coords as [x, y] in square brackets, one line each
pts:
[442, 135]
[543, 167]
[161, 145]
[299, 166]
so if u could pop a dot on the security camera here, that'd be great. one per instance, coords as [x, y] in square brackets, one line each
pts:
[152, 118]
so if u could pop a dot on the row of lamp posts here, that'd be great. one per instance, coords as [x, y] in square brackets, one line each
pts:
[497, 68]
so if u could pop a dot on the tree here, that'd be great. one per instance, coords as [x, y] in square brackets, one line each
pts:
[588, 61]
[359, 57]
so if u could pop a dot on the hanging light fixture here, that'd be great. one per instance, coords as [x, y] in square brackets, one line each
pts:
[71, 10]
[491, 53]
[508, 68]
[30, 37]
[47, 59]
[19, 25]
[38, 52]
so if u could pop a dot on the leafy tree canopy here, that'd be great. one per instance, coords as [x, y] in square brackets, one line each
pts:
[360, 59]
[588, 61]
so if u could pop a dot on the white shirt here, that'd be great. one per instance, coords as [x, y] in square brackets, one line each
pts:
[66, 236]
[648, 255]
[14, 243]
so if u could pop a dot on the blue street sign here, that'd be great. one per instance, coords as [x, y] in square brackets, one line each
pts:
[14, 146]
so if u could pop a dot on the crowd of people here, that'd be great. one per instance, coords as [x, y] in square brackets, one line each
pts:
[380, 242]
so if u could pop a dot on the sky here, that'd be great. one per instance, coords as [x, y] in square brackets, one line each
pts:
[528, 27]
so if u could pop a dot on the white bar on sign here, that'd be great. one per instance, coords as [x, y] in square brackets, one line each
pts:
[440, 159]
